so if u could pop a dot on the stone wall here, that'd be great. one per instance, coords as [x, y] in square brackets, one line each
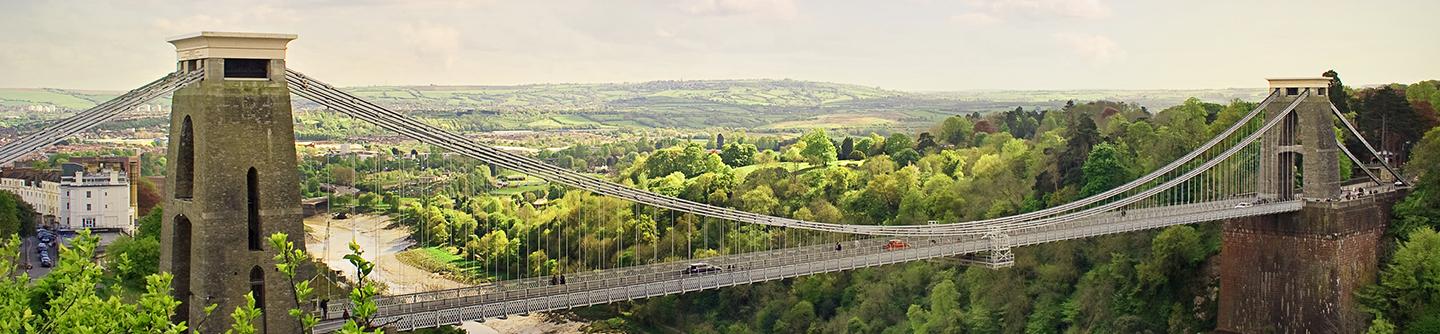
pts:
[1298, 272]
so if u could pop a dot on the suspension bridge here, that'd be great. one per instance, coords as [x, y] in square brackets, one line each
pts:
[232, 179]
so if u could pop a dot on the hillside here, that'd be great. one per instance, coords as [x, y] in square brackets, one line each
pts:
[760, 105]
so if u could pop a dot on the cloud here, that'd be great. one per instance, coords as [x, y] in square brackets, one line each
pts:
[776, 9]
[975, 19]
[433, 41]
[231, 18]
[1097, 49]
[984, 12]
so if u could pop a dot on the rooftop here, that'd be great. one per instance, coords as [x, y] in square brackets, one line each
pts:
[1311, 82]
[242, 45]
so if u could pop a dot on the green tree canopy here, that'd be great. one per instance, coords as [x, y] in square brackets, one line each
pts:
[896, 142]
[819, 150]
[1104, 169]
[957, 130]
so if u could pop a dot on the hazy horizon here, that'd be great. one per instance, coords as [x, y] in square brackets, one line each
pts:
[909, 45]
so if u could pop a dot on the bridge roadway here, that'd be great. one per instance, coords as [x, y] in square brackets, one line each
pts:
[432, 309]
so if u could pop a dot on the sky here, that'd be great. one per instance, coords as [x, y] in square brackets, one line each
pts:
[913, 45]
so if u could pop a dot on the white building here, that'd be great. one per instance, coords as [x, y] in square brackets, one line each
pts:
[75, 199]
[96, 201]
[42, 194]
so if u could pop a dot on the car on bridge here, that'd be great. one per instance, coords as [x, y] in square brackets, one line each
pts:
[895, 244]
[1243, 205]
[701, 268]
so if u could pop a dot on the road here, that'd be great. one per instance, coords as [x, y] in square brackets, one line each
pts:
[31, 257]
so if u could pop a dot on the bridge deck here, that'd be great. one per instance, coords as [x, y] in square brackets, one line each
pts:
[431, 309]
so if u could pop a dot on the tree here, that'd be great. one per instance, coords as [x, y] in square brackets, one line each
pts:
[9, 214]
[132, 259]
[344, 176]
[865, 145]
[1337, 93]
[68, 298]
[691, 160]
[1409, 287]
[957, 130]
[1424, 91]
[943, 313]
[148, 196]
[1421, 208]
[362, 295]
[288, 260]
[1174, 250]
[847, 147]
[896, 142]
[760, 200]
[926, 143]
[1103, 170]
[1385, 117]
[243, 319]
[797, 319]
[1080, 136]
[819, 150]
[738, 155]
[719, 140]
[906, 157]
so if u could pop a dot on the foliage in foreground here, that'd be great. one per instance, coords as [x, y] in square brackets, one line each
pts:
[75, 296]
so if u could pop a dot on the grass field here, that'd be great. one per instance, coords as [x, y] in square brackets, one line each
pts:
[839, 121]
[443, 261]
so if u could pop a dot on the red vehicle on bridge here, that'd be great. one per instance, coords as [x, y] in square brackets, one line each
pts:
[894, 244]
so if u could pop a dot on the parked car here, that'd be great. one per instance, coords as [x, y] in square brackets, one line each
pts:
[894, 244]
[1243, 205]
[700, 268]
[45, 262]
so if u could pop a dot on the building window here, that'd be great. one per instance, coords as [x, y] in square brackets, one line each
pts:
[257, 290]
[185, 161]
[87, 222]
[87, 194]
[87, 207]
[247, 68]
[1321, 91]
[252, 206]
[1292, 91]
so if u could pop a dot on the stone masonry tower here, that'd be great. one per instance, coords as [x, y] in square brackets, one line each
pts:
[232, 179]
[1305, 135]
[1297, 272]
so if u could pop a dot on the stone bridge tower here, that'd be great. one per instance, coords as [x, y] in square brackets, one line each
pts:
[231, 179]
[1303, 144]
[1297, 272]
